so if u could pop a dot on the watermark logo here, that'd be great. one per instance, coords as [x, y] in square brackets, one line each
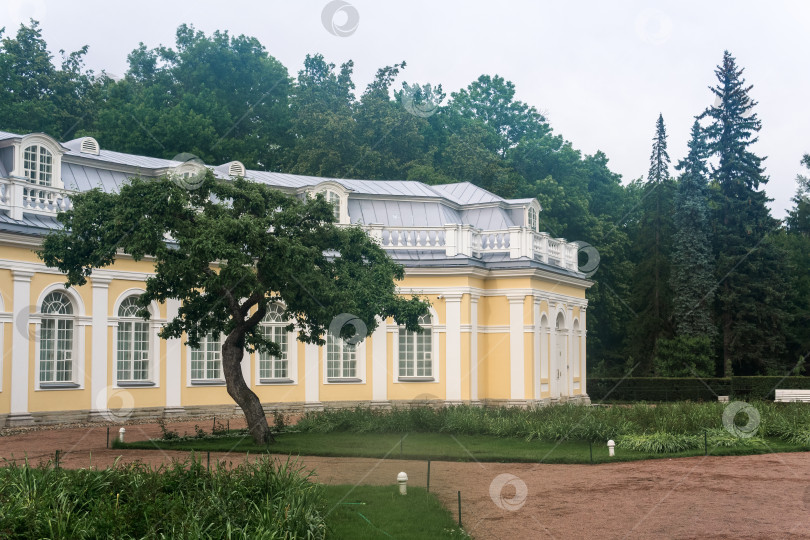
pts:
[592, 259]
[115, 404]
[500, 492]
[419, 101]
[340, 18]
[653, 26]
[190, 174]
[360, 329]
[730, 414]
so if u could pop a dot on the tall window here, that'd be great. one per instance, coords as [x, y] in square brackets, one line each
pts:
[56, 339]
[133, 343]
[416, 350]
[341, 358]
[333, 198]
[206, 361]
[273, 329]
[533, 219]
[38, 165]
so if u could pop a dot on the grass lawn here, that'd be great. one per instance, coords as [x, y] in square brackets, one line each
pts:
[441, 446]
[380, 512]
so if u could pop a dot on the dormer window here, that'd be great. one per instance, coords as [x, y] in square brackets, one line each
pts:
[38, 165]
[533, 219]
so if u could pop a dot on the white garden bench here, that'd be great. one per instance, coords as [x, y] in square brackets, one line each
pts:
[792, 395]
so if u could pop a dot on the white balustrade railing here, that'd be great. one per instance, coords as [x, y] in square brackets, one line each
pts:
[471, 242]
[18, 196]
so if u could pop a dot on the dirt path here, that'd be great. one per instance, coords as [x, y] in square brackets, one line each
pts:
[716, 497]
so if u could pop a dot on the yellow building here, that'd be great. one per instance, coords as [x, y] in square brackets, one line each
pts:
[507, 322]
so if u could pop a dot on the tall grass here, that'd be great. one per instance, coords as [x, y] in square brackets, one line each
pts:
[263, 500]
[790, 422]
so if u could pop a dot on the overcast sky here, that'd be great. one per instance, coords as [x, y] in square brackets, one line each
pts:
[600, 71]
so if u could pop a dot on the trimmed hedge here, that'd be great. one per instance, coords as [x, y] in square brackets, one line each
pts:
[657, 389]
[690, 388]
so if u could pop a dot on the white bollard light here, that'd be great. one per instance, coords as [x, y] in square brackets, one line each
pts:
[611, 446]
[402, 480]
[121, 434]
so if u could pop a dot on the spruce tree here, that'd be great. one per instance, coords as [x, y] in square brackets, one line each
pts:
[692, 271]
[692, 277]
[750, 269]
[651, 284]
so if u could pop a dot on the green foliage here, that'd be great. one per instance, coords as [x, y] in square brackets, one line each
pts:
[165, 433]
[692, 278]
[685, 356]
[652, 296]
[263, 499]
[750, 267]
[657, 388]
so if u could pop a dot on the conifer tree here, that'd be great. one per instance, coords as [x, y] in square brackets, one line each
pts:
[652, 292]
[749, 266]
[692, 270]
[692, 278]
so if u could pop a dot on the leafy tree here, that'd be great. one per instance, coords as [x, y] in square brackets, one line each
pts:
[750, 269]
[235, 248]
[220, 97]
[652, 294]
[34, 94]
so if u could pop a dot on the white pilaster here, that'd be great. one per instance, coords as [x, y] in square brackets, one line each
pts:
[569, 352]
[174, 378]
[20, 348]
[452, 304]
[517, 374]
[98, 352]
[536, 352]
[583, 372]
[311, 377]
[474, 348]
[379, 364]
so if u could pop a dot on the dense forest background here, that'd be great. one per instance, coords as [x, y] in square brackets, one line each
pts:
[695, 276]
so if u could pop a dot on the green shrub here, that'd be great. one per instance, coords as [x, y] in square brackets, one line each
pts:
[658, 442]
[263, 499]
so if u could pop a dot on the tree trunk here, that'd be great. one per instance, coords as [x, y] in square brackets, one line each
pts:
[727, 338]
[238, 389]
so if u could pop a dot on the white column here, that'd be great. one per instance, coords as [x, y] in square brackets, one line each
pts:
[20, 347]
[174, 368]
[517, 358]
[537, 350]
[98, 349]
[474, 348]
[452, 304]
[311, 377]
[379, 365]
[583, 373]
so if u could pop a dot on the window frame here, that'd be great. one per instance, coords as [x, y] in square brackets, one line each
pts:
[205, 348]
[359, 359]
[151, 328]
[429, 350]
[291, 358]
[79, 320]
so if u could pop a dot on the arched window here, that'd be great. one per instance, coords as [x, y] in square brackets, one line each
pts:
[206, 361]
[341, 358]
[133, 343]
[533, 219]
[273, 329]
[56, 339]
[416, 350]
[38, 165]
